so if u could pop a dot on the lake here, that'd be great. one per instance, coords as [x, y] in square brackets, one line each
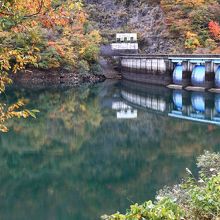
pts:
[97, 149]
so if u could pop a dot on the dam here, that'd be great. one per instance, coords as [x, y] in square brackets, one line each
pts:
[190, 71]
[178, 71]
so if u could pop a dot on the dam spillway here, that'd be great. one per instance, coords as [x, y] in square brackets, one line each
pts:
[183, 70]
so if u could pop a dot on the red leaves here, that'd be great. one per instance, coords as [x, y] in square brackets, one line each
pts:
[214, 29]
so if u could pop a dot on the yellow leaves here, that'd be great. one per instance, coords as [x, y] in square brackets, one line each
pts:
[81, 17]
[192, 41]
[3, 128]
[12, 111]
[82, 50]
[4, 34]
[82, 107]
[54, 37]
[4, 80]
[77, 6]
[16, 105]
[190, 35]
[190, 3]
[36, 49]
[21, 59]
[95, 36]
[28, 7]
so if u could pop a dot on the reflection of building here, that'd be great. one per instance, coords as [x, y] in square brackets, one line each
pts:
[127, 114]
[124, 111]
[194, 106]
[118, 105]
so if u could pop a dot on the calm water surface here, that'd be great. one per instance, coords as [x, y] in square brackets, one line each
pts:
[95, 150]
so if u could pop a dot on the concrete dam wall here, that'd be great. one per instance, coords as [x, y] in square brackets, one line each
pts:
[184, 70]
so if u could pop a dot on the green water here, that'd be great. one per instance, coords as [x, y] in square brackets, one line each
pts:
[80, 159]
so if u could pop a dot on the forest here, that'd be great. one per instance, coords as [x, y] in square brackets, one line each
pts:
[45, 34]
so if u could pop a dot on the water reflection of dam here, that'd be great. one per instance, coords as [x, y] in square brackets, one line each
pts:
[194, 106]
[153, 103]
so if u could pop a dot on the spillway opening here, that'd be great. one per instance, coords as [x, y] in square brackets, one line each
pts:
[178, 74]
[217, 77]
[198, 75]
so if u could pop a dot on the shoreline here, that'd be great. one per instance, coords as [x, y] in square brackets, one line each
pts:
[40, 79]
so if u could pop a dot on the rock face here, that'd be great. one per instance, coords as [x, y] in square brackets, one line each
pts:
[41, 79]
[143, 17]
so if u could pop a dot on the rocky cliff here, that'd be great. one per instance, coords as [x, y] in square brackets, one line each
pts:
[143, 17]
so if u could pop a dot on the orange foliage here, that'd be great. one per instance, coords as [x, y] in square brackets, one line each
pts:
[58, 29]
[189, 22]
[190, 3]
[214, 29]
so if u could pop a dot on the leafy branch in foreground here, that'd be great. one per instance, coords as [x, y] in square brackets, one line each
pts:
[192, 199]
[14, 111]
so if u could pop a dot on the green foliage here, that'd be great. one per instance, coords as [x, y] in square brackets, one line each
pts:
[96, 69]
[83, 67]
[165, 209]
[91, 53]
[204, 199]
[209, 163]
[192, 199]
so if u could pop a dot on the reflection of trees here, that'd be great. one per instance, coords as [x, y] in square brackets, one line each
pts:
[77, 161]
[65, 119]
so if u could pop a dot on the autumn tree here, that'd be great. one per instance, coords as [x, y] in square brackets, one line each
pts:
[45, 34]
[190, 22]
[214, 29]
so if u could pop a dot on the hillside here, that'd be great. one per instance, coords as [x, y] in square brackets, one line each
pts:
[163, 26]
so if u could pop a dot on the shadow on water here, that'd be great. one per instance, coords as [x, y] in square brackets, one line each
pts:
[95, 150]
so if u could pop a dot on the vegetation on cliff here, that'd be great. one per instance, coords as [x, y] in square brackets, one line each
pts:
[196, 23]
[192, 199]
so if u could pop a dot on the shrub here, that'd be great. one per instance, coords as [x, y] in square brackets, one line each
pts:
[164, 209]
[83, 67]
[96, 69]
